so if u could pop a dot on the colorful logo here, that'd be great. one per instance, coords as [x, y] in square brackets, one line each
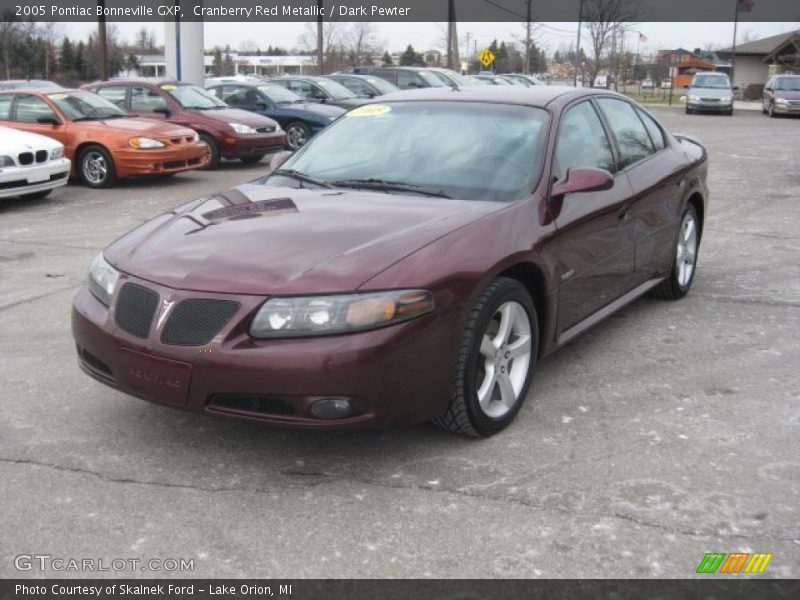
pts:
[735, 562]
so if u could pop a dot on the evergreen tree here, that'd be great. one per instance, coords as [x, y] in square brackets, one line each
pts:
[387, 59]
[411, 58]
[227, 63]
[216, 64]
[66, 58]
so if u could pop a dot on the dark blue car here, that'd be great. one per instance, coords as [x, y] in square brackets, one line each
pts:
[299, 118]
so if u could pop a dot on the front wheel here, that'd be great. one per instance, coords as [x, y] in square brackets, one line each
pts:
[683, 266]
[213, 152]
[297, 134]
[96, 167]
[495, 362]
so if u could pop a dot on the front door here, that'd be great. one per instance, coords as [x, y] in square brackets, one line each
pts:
[595, 228]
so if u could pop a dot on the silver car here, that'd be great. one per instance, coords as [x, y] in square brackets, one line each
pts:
[710, 92]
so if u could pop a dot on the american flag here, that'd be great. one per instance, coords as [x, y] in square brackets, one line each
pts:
[744, 6]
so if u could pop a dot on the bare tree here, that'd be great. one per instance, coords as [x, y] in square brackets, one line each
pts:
[332, 50]
[145, 40]
[605, 19]
[248, 47]
[364, 43]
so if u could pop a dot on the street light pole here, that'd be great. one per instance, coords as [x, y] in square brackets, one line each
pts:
[101, 39]
[578, 44]
[527, 68]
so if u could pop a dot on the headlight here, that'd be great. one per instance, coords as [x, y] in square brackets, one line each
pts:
[242, 129]
[56, 153]
[325, 315]
[102, 279]
[781, 101]
[6, 161]
[145, 143]
[726, 99]
[694, 98]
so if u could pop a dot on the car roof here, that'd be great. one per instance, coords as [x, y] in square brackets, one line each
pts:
[150, 80]
[540, 95]
[38, 91]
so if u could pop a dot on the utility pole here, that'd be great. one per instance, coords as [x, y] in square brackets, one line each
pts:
[101, 39]
[320, 56]
[578, 44]
[452, 38]
[466, 51]
[527, 68]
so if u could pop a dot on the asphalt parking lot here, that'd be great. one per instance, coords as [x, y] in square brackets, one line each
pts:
[669, 431]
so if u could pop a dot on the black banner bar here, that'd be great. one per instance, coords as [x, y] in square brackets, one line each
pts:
[397, 589]
[386, 10]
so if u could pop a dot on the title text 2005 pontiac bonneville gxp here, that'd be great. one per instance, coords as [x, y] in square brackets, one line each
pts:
[410, 263]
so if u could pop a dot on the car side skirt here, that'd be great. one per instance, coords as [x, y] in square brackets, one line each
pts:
[609, 309]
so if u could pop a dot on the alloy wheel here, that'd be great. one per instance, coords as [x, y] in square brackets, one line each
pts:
[95, 167]
[686, 253]
[296, 136]
[505, 356]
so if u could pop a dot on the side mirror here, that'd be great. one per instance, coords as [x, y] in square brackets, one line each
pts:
[278, 159]
[583, 179]
[48, 121]
[162, 110]
[768, 89]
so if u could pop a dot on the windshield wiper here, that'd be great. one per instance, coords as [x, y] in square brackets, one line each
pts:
[389, 186]
[301, 177]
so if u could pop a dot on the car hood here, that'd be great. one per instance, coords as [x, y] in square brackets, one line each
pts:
[349, 103]
[320, 112]
[235, 115]
[135, 126]
[14, 141]
[255, 239]
[788, 94]
[704, 92]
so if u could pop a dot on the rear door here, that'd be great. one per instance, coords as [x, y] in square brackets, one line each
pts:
[116, 94]
[595, 241]
[27, 111]
[148, 103]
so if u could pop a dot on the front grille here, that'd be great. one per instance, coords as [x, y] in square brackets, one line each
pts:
[136, 307]
[25, 158]
[195, 322]
[709, 99]
[794, 102]
[41, 156]
[250, 403]
[174, 164]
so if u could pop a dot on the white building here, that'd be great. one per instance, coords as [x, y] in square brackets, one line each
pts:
[155, 65]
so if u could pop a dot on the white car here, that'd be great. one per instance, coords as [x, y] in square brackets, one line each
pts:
[31, 165]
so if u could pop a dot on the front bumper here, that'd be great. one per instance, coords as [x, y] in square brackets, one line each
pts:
[244, 146]
[131, 162]
[786, 109]
[709, 106]
[398, 375]
[15, 181]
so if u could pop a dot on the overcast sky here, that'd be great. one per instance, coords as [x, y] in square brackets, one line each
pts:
[425, 36]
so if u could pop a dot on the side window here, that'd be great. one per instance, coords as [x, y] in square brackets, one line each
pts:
[656, 134]
[233, 95]
[30, 109]
[317, 92]
[356, 86]
[300, 88]
[143, 99]
[407, 80]
[114, 93]
[582, 141]
[634, 142]
[5, 106]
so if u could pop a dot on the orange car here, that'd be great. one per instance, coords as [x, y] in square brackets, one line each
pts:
[104, 143]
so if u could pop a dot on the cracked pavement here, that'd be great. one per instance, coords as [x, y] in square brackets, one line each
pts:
[669, 431]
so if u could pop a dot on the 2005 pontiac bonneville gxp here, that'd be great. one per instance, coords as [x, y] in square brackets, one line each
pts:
[411, 263]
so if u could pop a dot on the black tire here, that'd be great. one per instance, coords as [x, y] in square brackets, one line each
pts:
[672, 288]
[730, 112]
[303, 133]
[464, 415]
[771, 112]
[213, 152]
[91, 177]
[36, 195]
[688, 110]
[251, 160]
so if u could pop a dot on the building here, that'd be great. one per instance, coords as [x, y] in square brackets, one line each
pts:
[755, 62]
[156, 66]
[681, 66]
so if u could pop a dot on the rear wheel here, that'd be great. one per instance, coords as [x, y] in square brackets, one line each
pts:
[213, 152]
[96, 167]
[683, 266]
[495, 361]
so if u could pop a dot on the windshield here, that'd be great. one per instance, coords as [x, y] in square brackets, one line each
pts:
[788, 84]
[465, 150]
[711, 81]
[431, 79]
[451, 77]
[84, 106]
[383, 86]
[335, 89]
[279, 94]
[192, 96]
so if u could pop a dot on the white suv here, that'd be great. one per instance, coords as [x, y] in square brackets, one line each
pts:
[31, 165]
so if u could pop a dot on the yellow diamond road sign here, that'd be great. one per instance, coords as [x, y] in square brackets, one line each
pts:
[486, 57]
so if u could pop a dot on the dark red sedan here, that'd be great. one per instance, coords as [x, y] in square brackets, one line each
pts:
[411, 263]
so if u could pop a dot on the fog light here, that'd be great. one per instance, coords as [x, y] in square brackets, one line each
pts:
[331, 408]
